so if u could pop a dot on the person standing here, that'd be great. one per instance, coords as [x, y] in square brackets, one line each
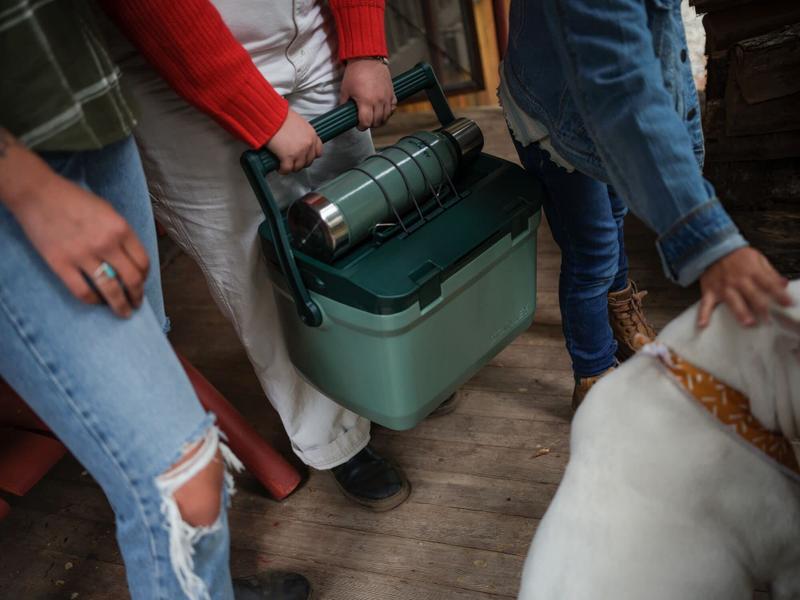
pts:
[315, 55]
[601, 102]
[77, 230]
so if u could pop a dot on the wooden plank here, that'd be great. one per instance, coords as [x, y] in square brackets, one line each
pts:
[454, 566]
[757, 185]
[463, 568]
[42, 573]
[521, 406]
[717, 66]
[775, 233]
[497, 432]
[47, 573]
[440, 488]
[468, 459]
[726, 27]
[519, 355]
[347, 584]
[321, 502]
[721, 147]
[775, 115]
[768, 66]
[703, 6]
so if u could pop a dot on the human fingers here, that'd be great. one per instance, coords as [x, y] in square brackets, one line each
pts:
[301, 161]
[103, 276]
[136, 251]
[311, 153]
[707, 304]
[131, 277]
[383, 115]
[737, 304]
[76, 283]
[365, 114]
[756, 297]
[286, 165]
[775, 284]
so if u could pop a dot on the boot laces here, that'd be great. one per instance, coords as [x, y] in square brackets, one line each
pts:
[629, 314]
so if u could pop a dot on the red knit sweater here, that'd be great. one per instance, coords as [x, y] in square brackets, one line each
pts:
[190, 45]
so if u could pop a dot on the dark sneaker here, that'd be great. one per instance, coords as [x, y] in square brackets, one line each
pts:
[582, 387]
[448, 406]
[627, 319]
[272, 585]
[372, 481]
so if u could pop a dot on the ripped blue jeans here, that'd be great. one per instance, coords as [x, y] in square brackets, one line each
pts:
[114, 392]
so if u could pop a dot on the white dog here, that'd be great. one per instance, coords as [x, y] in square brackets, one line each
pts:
[660, 501]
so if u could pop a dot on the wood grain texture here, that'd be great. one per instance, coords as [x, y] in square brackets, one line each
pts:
[726, 27]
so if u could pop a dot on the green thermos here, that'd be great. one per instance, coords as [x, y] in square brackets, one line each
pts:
[381, 190]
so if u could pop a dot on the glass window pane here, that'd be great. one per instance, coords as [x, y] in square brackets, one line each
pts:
[441, 32]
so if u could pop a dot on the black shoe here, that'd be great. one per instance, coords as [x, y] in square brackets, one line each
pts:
[372, 481]
[272, 585]
[448, 406]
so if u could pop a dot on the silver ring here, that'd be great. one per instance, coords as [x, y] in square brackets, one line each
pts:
[104, 270]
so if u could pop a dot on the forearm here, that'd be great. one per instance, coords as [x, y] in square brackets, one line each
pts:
[21, 173]
[193, 49]
[360, 28]
[615, 78]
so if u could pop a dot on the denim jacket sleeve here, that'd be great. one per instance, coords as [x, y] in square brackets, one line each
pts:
[612, 71]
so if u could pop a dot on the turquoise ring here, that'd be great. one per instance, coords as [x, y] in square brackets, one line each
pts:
[104, 270]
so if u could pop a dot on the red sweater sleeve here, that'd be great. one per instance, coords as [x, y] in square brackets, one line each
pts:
[190, 45]
[360, 27]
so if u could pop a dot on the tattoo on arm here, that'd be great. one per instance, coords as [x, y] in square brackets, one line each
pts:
[6, 141]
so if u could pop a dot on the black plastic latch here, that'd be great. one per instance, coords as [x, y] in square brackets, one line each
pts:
[429, 279]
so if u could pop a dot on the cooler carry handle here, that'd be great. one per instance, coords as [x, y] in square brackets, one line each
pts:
[257, 164]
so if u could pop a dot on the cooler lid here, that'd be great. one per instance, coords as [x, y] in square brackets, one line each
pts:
[386, 276]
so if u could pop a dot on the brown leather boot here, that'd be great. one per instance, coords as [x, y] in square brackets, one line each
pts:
[627, 319]
[582, 387]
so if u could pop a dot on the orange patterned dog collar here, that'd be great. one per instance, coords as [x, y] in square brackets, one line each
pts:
[727, 405]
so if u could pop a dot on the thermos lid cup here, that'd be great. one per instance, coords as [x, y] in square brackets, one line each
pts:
[318, 226]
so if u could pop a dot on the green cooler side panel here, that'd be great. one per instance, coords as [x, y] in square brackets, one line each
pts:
[380, 365]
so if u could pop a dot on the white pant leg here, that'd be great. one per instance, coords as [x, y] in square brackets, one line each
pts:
[202, 197]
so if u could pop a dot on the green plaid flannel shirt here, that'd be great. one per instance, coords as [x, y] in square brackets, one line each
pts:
[59, 90]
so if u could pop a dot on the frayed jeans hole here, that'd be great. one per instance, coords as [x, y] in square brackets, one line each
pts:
[191, 504]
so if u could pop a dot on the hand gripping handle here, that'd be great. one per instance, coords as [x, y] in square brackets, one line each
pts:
[257, 164]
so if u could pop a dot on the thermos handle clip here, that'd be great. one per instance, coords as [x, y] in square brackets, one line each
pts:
[257, 164]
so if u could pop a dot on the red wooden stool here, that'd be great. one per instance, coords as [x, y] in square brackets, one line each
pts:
[28, 450]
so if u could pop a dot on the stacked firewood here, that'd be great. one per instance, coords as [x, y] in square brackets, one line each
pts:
[751, 119]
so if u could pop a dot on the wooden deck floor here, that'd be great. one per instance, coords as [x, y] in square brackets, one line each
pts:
[482, 477]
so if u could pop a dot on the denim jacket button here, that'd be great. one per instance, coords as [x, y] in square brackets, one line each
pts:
[683, 55]
[690, 115]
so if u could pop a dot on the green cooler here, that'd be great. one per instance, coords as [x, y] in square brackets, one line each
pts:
[399, 279]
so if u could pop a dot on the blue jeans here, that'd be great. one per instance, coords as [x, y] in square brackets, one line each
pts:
[114, 392]
[586, 219]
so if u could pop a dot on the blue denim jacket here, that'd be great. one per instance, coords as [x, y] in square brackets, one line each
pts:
[611, 81]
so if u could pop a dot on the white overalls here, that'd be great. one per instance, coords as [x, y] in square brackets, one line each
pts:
[202, 198]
